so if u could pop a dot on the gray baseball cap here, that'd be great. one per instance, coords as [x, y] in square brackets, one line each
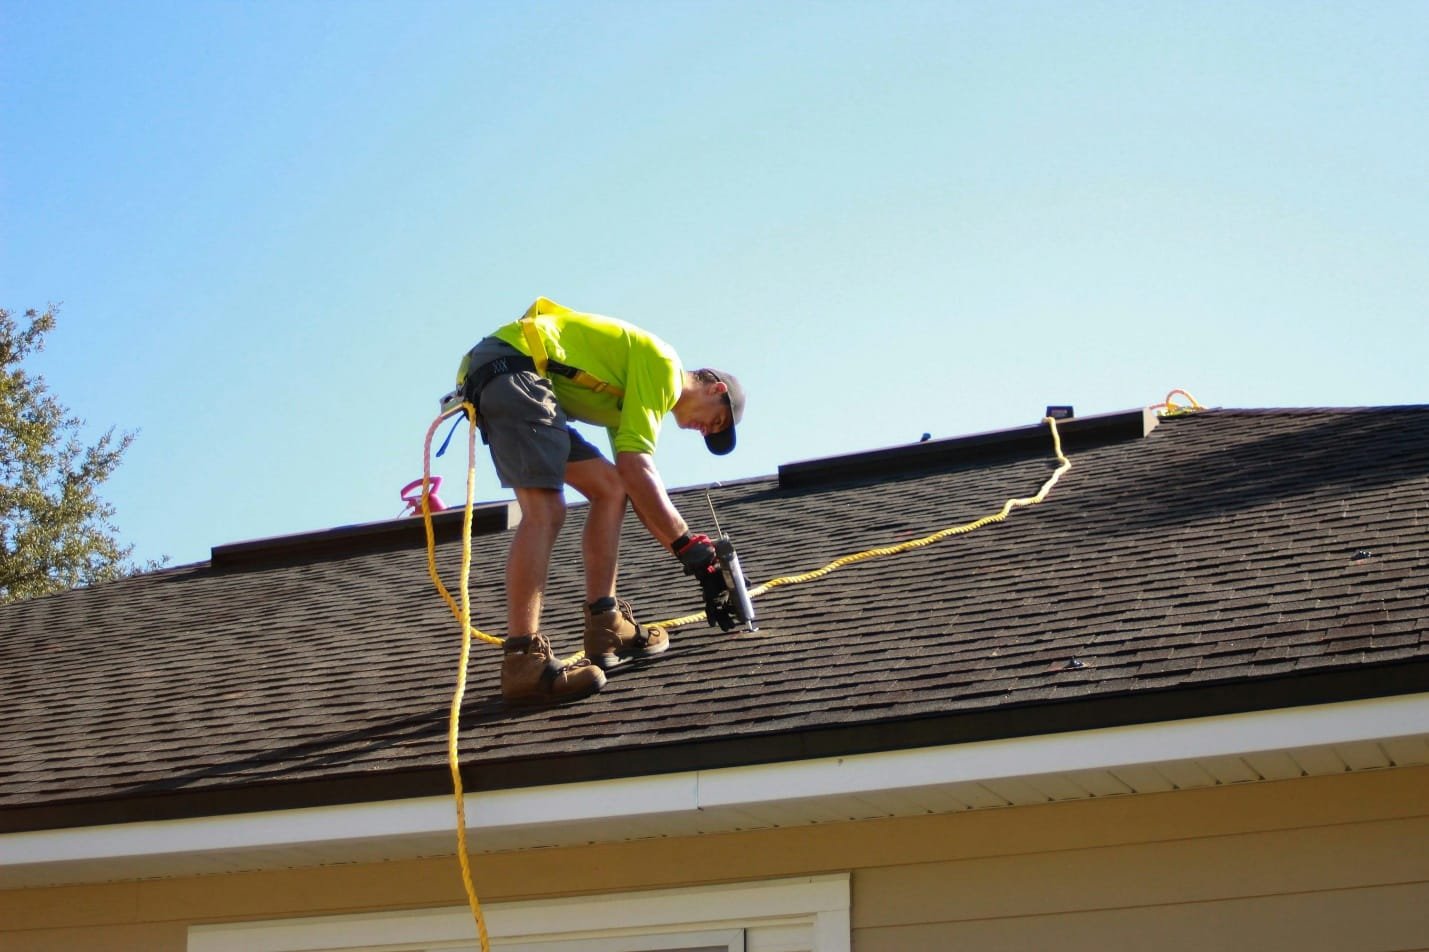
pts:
[723, 442]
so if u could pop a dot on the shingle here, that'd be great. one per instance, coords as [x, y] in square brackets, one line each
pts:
[1225, 547]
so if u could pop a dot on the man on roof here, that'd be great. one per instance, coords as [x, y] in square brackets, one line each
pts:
[527, 380]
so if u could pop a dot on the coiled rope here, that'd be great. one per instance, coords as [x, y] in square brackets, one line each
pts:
[1169, 408]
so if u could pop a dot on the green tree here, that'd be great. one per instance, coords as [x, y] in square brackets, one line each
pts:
[55, 530]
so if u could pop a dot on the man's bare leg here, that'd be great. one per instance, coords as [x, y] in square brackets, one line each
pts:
[528, 562]
[597, 480]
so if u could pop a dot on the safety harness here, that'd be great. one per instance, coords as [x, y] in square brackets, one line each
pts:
[539, 362]
[545, 366]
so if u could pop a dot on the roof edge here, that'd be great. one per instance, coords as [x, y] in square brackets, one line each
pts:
[1362, 682]
[799, 792]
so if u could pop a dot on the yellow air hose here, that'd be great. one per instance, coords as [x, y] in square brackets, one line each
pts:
[463, 611]
[1007, 508]
[1167, 408]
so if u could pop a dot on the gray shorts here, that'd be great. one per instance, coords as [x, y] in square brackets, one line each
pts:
[530, 438]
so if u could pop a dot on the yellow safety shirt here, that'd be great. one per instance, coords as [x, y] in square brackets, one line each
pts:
[642, 366]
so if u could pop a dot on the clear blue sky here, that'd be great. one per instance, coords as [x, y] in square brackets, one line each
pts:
[275, 226]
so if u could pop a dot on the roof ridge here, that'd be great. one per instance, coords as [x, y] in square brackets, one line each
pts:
[1084, 432]
[1309, 411]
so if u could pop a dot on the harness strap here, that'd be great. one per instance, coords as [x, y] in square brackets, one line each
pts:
[545, 366]
[535, 345]
[478, 377]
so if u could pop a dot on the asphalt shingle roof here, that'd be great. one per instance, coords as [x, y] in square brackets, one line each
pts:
[1225, 549]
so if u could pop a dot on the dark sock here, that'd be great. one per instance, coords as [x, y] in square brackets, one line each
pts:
[605, 604]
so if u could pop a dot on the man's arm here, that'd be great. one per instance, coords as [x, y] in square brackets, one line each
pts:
[652, 504]
[648, 497]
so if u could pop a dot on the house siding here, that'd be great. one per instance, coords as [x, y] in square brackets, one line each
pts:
[1344, 887]
[1337, 862]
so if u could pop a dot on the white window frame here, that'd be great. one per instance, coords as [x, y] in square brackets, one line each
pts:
[804, 914]
[720, 940]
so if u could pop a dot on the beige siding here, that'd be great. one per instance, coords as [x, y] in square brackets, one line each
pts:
[1355, 920]
[115, 937]
[1337, 862]
[1326, 888]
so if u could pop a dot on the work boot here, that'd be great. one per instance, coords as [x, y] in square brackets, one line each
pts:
[530, 674]
[612, 637]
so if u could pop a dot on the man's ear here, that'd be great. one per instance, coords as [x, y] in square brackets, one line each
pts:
[719, 387]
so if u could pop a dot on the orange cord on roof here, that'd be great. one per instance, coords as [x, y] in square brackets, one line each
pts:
[1167, 409]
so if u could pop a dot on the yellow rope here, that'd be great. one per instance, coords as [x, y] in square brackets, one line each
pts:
[464, 616]
[1167, 408]
[470, 412]
[463, 611]
[1007, 508]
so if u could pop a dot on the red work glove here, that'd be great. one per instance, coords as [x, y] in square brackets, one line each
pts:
[696, 553]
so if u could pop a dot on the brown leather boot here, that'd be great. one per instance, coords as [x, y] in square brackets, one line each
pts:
[530, 674]
[612, 637]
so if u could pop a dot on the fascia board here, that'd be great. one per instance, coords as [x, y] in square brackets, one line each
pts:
[1226, 735]
[706, 792]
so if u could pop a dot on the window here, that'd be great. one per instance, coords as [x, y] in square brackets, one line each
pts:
[807, 914]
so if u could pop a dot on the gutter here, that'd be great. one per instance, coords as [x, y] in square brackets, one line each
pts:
[689, 802]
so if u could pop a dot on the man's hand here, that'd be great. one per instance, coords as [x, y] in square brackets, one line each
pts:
[697, 554]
